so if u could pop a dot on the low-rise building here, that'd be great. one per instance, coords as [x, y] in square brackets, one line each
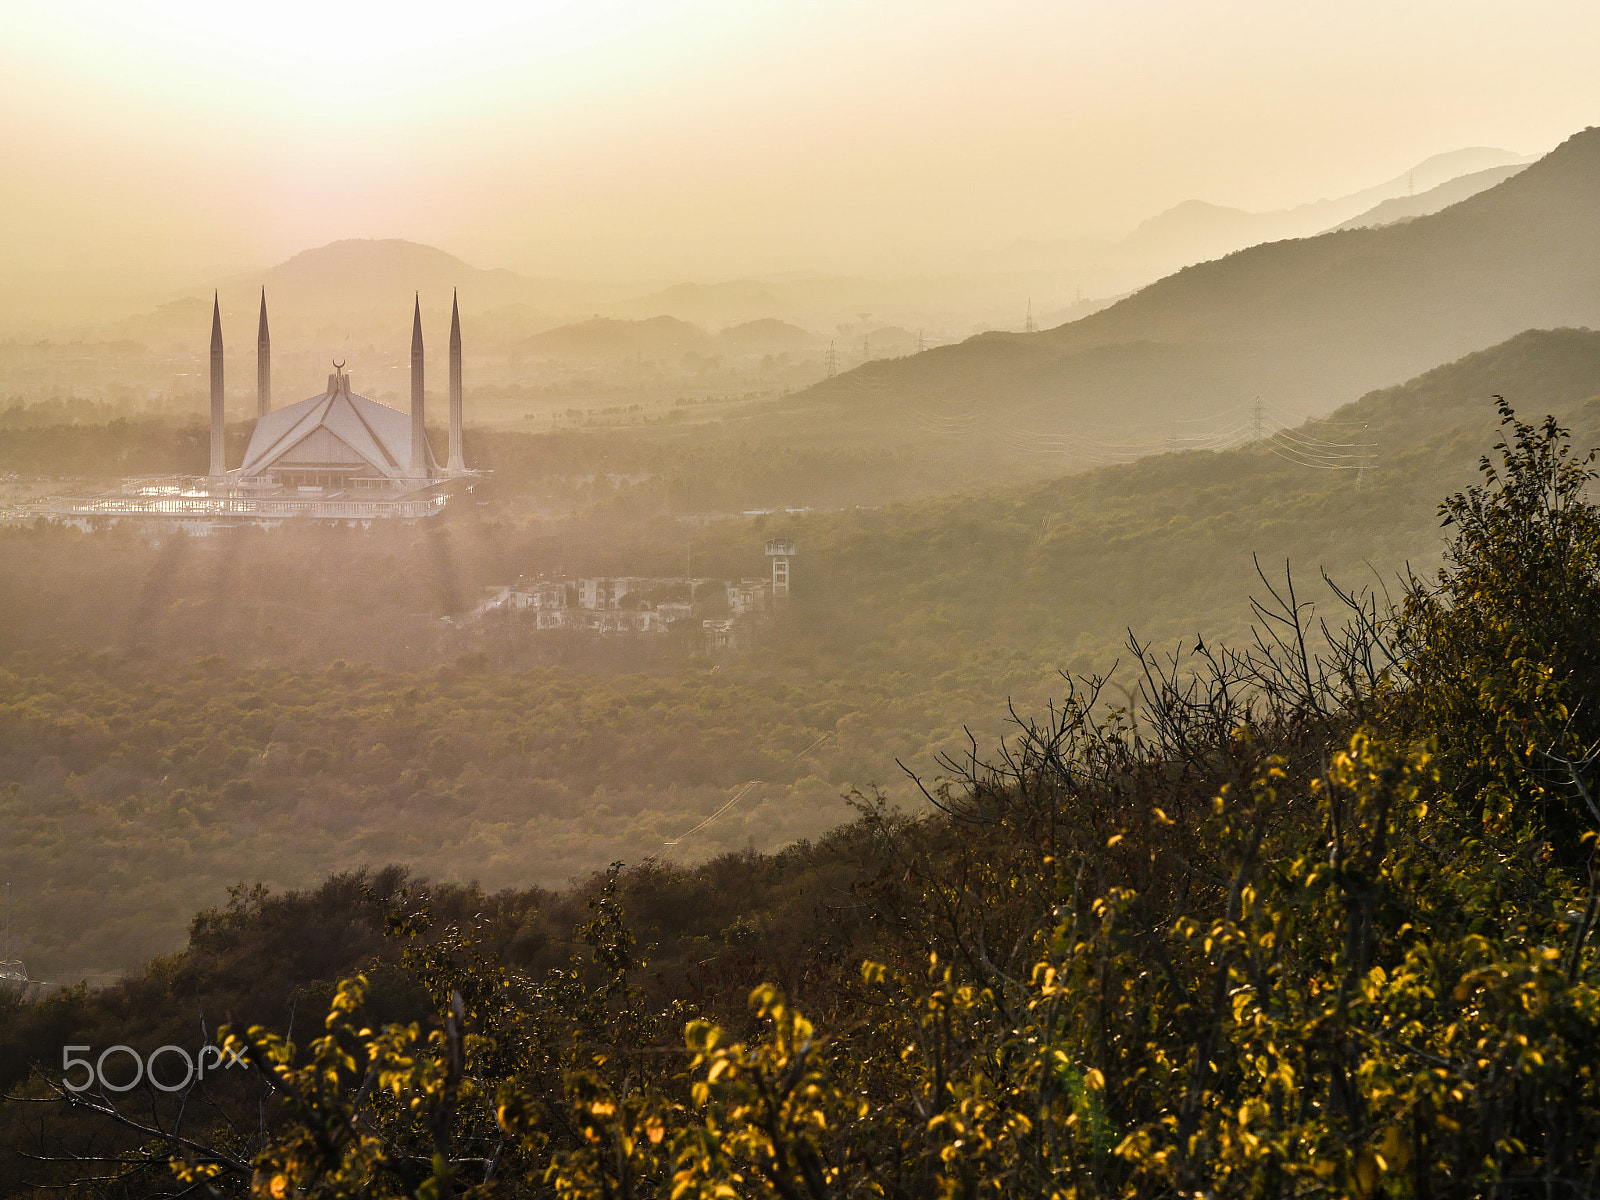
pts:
[720, 635]
[637, 604]
[748, 597]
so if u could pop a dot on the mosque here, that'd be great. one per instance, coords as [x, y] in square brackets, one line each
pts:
[338, 456]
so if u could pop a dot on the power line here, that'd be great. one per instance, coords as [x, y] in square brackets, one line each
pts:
[737, 796]
[744, 791]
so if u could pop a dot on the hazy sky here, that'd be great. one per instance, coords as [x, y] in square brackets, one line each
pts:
[720, 137]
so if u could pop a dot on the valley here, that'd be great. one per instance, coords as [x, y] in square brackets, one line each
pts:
[913, 625]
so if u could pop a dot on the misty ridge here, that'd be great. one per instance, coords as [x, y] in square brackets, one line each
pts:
[751, 336]
[1124, 749]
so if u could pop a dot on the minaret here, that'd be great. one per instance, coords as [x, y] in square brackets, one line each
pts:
[419, 431]
[455, 387]
[218, 457]
[263, 363]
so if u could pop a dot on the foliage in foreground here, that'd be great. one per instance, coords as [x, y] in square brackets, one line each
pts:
[1294, 925]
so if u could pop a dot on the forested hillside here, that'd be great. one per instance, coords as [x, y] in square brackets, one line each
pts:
[1318, 926]
[272, 707]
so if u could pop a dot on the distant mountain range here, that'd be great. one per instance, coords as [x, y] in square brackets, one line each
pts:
[356, 291]
[1196, 231]
[364, 282]
[1303, 323]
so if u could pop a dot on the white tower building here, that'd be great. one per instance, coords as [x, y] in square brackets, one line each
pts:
[780, 551]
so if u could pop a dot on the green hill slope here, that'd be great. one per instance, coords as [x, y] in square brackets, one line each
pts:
[1053, 573]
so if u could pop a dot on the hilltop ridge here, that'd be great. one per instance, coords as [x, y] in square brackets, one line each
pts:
[363, 272]
[1422, 204]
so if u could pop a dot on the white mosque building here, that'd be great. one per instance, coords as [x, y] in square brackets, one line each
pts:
[338, 456]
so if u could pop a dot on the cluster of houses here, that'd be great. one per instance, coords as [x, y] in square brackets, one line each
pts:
[639, 604]
[628, 604]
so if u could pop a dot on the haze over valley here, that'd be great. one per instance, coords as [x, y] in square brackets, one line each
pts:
[1060, 540]
[992, 456]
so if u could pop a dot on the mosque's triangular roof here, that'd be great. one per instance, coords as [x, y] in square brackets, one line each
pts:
[374, 432]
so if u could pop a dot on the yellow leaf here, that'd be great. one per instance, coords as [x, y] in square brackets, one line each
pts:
[1366, 1172]
[1396, 1147]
